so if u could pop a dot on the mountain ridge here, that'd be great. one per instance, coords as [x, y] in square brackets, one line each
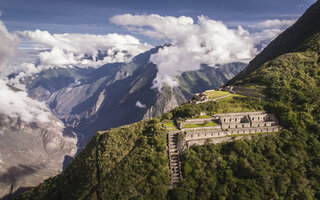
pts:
[307, 25]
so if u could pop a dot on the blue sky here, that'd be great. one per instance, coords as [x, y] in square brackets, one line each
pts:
[91, 16]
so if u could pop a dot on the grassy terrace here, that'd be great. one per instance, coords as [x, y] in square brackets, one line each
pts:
[204, 116]
[200, 125]
[248, 134]
[170, 126]
[216, 94]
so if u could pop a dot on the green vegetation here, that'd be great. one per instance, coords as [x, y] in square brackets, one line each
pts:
[170, 124]
[205, 116]
[250, 134]
[216, 94]
[131, 162]
[277, 166]
[235, 103]
[127, 162]
[200, 125]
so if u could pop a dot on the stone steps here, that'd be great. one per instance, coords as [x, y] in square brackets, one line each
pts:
[174, 161]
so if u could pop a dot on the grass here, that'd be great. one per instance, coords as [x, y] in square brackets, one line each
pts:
[170, 124]
[251, 134]
[231, 98]
[216, 94]
[200, 125]
[204, 116]
[172, 129]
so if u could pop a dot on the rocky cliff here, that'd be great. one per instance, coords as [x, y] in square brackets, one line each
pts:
[32, 152]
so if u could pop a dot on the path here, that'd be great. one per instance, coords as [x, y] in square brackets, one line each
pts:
[174, 161]
[215, 99]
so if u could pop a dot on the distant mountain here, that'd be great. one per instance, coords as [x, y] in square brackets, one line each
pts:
[32, 152]
[306, 26]
[131, 162]
[92, 100]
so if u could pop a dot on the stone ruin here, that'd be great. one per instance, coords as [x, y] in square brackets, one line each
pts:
[231, 124]
[199, 98]
[228, 125]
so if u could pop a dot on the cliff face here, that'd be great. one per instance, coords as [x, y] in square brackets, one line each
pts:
[91, 100]
[32, 152]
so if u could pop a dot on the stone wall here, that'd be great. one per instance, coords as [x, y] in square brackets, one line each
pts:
[201, 128]
[235, 125]
[195, 135]
[199, 121]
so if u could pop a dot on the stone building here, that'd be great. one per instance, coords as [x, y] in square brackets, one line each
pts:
[199, 98]
[231, 124]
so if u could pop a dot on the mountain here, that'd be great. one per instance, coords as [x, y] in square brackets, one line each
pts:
[90, 100]
[131, 162]
[306, 26]
[32, 152]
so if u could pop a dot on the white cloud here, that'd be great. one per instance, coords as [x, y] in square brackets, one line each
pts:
[8, 45]
[266, 31]
[16, 103]
[140, 105]
[0, 13]
[206, 41]
[83, 49]
[273, 24]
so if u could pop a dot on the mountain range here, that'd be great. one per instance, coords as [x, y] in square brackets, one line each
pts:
[89, 100]
[84, 101]
[131, 162]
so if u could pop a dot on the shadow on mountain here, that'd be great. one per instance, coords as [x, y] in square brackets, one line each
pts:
[67, 161]
[17, 172]
[68, 132]
[18, 192]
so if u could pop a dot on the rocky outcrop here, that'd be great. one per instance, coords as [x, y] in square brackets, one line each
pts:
[32, 152]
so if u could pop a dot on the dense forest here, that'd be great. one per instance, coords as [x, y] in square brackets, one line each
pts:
[279, 166]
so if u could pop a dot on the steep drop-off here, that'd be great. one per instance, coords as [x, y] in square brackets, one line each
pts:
[32, 152]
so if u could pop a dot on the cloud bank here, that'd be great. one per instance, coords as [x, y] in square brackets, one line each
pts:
[84, 50]
[192, 43]
[205, 41]
[16, 103]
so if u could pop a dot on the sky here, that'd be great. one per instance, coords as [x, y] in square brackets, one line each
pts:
[37, 35]
[91, 16]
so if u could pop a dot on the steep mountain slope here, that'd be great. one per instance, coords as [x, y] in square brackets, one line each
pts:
[307, 25]
[128, 162]
[32, 152]
[92, 100]
[284, 165]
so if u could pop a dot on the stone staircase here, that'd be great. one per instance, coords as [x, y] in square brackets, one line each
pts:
[174, 161]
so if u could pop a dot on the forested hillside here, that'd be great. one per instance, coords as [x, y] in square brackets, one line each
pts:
[131, 162]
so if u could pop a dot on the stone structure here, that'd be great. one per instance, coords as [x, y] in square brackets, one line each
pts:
[199, 98]
[232, 124]
[174, 161]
